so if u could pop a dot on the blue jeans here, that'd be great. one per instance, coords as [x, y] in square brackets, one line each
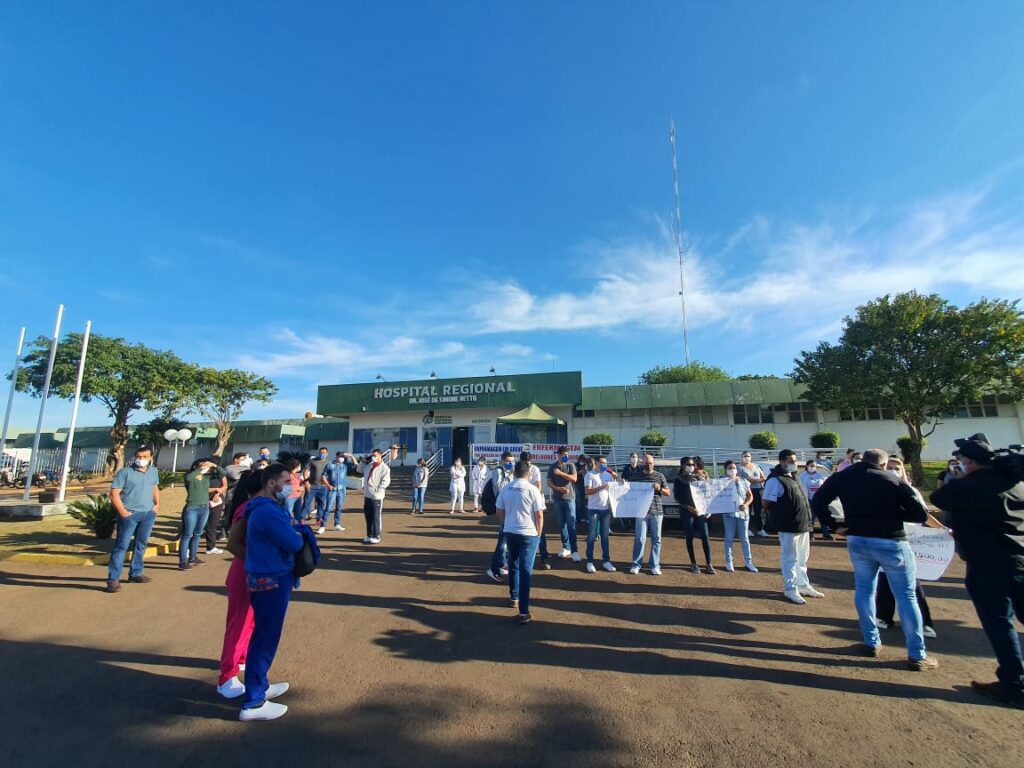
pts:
[736, 528]
[290, 504]
[193, 521]
[419, 495]
[139, 525]
[268, 611]
[522, 550]
[868, 554]
[642, 524]
[598, 519]
[320, 493]
[499, 559]
[997, 594]
[335, 504]
[565, 509]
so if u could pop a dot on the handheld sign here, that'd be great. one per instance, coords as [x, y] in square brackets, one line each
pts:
[716, 497]
[933, 550]
[630, 499]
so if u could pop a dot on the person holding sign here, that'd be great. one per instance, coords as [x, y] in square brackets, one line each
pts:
[695, 518]
[653, 520]
[876, 504]
[736, 524]
[599, 512]
[785, 500]
[987, 515]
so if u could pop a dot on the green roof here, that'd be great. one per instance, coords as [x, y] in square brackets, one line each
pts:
[736, 392]
[327, 429]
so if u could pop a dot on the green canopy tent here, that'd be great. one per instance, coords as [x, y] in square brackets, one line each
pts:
[533, 414]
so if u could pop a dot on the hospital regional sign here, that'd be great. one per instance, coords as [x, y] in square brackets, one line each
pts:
[512, 392]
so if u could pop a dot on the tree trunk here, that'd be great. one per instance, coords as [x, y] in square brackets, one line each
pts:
[118, 440]
[224, 432]
[917, 445]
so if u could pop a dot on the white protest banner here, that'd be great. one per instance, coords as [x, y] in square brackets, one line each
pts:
[933, 550]
[630, 500]
[539, 454]
[716, 497]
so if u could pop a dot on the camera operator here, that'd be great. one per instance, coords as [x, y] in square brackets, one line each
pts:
[986, 509]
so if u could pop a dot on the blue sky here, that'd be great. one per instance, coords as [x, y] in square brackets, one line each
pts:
[325, 191]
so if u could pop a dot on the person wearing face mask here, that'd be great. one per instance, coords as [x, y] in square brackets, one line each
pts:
[457, 486]
[812, 479]
[876, 505]
[271, 541]
[478, 477]
[986, 509]
[632, 468]
[420, 478]
[848, 461]
[264, 454]
[335, 478]
[135, 494]
[562, 482]
[824, 462]
[950, 473]
[377, 476]
[599, 513]
[694, 521]
[754, 475]
[786, 501]
[316, 488]
[736, 524]
[535, 480]
[197, 509]
[653, 520]
[503, 474]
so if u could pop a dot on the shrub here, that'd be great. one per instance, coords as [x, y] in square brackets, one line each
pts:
[825, 439]
[96, 513]
[599, 438]
[765, 441]
[169, 478]
[910, 450]
[653, 439]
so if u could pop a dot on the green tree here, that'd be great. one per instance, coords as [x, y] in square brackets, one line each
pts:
[683, 374]
[124, 377]
[152, 432]
[754, 377]
[222, 395]
[920, 356]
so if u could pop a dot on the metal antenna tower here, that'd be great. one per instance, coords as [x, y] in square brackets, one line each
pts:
[677, 232]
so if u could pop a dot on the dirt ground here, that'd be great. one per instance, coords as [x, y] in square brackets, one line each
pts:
[404, 654]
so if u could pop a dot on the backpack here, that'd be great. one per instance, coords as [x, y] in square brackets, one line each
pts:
[307, 557]
[489, 499]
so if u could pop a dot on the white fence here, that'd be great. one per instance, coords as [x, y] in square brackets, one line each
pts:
[84, 461]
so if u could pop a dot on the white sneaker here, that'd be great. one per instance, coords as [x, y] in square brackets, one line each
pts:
[751, 567]
[655, 571]
[729, 567]
[375, 540]
[504, 571]
[929, 632]
[591, 568]
[794, 597]
[321, 529]
[635, 570]
[810, 591]
[241, 667]
[268, 711]
[565, 553]
[338, 528]
[881, 623]
[608, 567]
[763, 533]
[367, 540]
[214, 551]
[276, 689]
[232, 689]
[575, 557]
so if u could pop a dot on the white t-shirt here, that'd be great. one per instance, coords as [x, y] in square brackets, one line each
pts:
[595, 479]
[754, 475]
[812, 482]
[520, 500]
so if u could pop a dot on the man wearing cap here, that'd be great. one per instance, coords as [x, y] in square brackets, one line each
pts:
[876, 504]
[986, 508]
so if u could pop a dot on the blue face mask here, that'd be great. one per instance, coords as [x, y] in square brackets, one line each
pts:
[565, 459]
[603, 468]
[509, 465]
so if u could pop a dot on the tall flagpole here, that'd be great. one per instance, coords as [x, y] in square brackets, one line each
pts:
[10, 395]
[677, 227]
[34, 459]
[74, 413]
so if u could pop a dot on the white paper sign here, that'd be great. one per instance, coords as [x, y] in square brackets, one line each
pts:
[716, 497]
[630, 500]
[933, 550]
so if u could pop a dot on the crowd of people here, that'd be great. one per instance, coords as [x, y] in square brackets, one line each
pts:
[261, 507]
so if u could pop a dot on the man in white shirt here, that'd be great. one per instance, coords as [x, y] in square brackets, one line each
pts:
[520, 509]
[377, 477]
[599, 512]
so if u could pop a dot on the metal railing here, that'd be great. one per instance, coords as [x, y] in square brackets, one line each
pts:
[435, 461]
[618, 455]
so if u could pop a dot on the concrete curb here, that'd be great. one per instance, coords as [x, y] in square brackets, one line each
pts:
[98, 558]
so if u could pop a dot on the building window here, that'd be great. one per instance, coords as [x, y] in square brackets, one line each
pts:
[802, 412]
[871, 413]
[700, 415]
[987, 406]
[753, 414]
[580, 413]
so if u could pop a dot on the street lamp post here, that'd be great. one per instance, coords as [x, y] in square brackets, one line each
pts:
[174, 437]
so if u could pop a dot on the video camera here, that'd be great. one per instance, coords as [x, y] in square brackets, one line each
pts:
[1010, 462]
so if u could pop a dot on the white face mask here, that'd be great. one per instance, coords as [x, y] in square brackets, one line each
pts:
[790, 467]
[963, 467]
[285, 492]
[731, 472]
[812, 470]
[746, 459]
[894, 472]
[245, 463]
[143, 463]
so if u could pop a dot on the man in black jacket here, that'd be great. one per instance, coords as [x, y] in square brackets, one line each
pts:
[785, 500]
[875, 505]
[986, 509]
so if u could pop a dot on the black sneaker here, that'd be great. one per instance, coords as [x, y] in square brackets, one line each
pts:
[995, 691]
[184, 567]
[196, 561]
